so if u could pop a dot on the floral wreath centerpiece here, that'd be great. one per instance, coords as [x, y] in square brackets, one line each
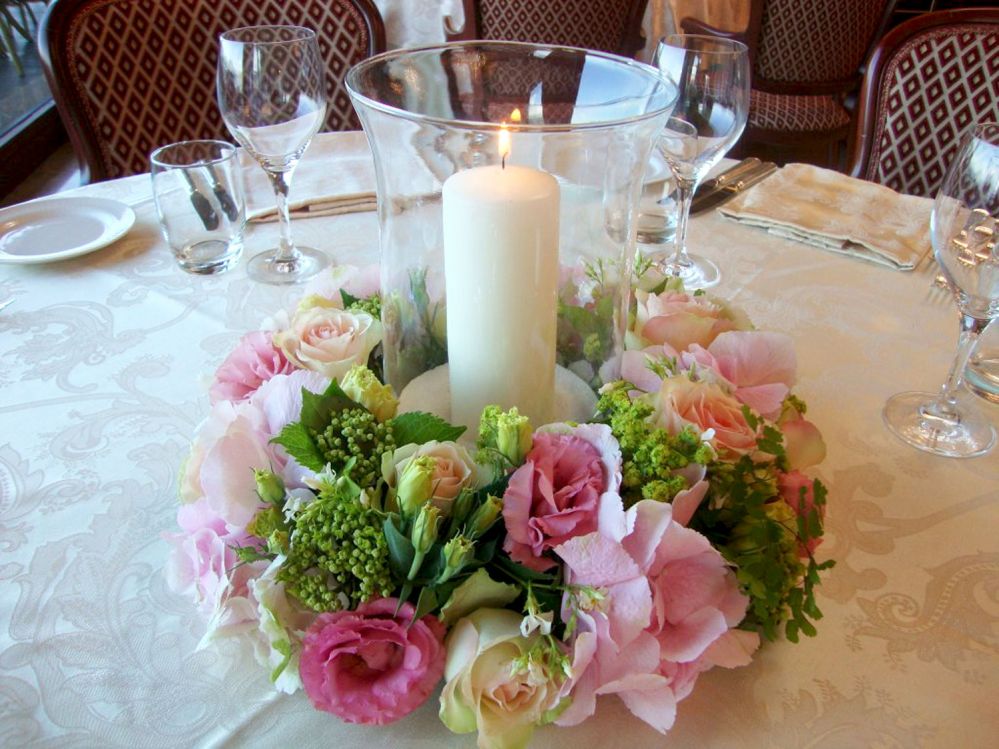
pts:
[371, 556]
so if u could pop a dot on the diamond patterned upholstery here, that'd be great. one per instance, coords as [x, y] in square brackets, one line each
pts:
[929, 80]
[815, 41]
[131, 75]
[795, 113]
[605, 25]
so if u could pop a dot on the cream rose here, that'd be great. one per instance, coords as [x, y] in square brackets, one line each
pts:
[489, 685]
[680, 320]
[328, 340]
[706, 406]
[454, 469]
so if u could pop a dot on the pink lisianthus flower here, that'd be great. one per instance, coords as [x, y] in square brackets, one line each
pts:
[254, 361]
[706, 406]
[680, 320]
[371, 665]
[570, 476]
[798, 491]
[656, 596]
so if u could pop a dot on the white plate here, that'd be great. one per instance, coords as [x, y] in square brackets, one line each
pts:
[44, 231]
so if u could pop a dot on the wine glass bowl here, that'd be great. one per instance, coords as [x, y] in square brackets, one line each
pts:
[712, 76]
[964, 235]
[271, 93]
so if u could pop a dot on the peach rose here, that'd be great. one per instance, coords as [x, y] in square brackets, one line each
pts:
[706, 406]
[328, 340]
[679, 320]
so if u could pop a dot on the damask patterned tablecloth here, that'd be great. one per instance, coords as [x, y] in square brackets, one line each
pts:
[103, 368]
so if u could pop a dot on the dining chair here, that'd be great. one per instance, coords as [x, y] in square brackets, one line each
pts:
[806, 57]
[604, 25]
[129, 76]
[928, 80]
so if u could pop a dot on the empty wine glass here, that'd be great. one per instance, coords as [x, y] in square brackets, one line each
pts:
[963, 231]
[272, 96]
[712, 76]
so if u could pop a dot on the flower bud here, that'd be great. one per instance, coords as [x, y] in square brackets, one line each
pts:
[270, 487]
[361, 385]
[457, 553]
[484, 516]
[462, 507]
[415, 485]
[425, 528]
[315, 300]
[507, 432]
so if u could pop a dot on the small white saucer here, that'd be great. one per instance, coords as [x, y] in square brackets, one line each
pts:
[44, 231]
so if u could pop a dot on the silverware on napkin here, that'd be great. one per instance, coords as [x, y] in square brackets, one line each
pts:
[728, 184]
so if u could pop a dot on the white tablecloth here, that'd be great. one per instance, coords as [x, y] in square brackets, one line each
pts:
[103, 363]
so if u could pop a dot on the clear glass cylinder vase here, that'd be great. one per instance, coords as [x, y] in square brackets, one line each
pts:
[508, 177]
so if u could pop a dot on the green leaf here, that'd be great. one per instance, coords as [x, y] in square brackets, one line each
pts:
[522, 573]
[296, 440]
[418, 427]
[348, 299]
[400, 548]
[426, 603]
[316, 409]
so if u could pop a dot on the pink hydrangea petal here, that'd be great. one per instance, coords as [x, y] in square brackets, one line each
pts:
[651, 521]
[654, 703]
[764, 399]
[733, 649]
[689, 638]
[686, 502]
[755, 357]
[631, 609]
[595, 560]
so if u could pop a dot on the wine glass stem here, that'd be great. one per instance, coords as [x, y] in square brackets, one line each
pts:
[684, 196]
[945, 406]
[281, 182]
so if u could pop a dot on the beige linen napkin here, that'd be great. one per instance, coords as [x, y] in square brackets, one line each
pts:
[838, 213]
[336, 176]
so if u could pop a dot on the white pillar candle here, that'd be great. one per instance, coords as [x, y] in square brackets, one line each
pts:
[501, 273]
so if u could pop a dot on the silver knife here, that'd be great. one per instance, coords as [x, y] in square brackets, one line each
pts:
[732, 187]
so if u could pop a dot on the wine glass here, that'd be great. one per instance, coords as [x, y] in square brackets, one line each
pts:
[712, 76]
[272, 96]
[964, 234]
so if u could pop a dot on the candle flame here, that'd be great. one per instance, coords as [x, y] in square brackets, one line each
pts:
[504, 137]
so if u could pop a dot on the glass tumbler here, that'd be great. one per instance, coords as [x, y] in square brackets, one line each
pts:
[200, 203]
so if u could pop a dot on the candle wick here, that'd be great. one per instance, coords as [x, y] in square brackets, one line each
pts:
[503, 161]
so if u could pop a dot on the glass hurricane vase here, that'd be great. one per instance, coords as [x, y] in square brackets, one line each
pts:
[508, 177]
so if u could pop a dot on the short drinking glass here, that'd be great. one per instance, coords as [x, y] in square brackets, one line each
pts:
[199, 201]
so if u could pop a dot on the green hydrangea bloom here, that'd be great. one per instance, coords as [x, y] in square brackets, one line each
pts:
[338, 556]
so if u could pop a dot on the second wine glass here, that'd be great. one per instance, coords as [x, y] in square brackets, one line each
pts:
[712, 76]
[272, 95]
[965, 236]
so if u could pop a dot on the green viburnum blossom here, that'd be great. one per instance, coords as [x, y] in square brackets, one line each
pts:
[355, 433]
[338, 556]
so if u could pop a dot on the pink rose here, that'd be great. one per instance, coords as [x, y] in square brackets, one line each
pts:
[559, 490]
[329, 340]
[679, 320]
[798, 491]
[370, 665]
[254, 361]
[706, 406]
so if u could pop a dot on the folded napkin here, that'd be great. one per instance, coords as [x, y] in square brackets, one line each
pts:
[335, 176]
[838, 213]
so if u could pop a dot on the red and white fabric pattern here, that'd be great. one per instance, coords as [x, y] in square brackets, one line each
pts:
[145, 69]
[935, 86]
[599, 25]
[785, 113]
